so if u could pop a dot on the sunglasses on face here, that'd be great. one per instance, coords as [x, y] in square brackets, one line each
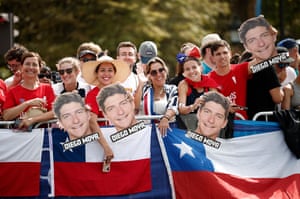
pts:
[155, 72]
[42, 75]
[68, 71]
[88, 59]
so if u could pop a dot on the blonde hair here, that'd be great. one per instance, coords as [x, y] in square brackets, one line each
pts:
[71, 60]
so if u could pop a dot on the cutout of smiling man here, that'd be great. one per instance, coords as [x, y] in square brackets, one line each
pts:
[74, 117]
[117, 106]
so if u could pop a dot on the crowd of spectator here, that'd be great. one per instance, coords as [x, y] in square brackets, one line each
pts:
[264, 77]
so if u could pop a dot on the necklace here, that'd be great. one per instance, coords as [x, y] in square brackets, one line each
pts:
[160, 94]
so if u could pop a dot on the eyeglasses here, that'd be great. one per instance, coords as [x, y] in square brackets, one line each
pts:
[13, 66]
[155, 72]
[283, 65]
[42, 75]
[68, 71]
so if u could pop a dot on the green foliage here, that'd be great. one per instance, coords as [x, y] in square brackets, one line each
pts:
[284, 15]
[55, 28]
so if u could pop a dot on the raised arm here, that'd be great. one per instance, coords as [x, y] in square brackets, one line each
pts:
[102, 141]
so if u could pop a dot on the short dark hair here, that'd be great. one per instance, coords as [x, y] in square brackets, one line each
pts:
[66, 98]
[15, 52]
[218, 98]
[203, 49]
[188, 58]
[108, 91]
[252, 23]
[32, 54]
[46, 70]
[214, 46]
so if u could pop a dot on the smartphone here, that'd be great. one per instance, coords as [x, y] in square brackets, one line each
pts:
[240, 107]
[106, 167]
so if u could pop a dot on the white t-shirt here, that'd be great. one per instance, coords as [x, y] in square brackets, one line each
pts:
[290, 76]
[8, 81]
[131, 83]
[59, 87]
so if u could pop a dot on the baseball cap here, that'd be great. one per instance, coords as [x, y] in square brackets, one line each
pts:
[288, 43]
[284, 50]
[209, 38]
[85, 52]
[147, 50]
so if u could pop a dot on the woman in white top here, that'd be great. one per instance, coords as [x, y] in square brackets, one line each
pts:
[159, 98]
[68, 69]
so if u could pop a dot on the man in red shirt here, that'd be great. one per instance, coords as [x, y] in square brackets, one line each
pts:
[231, 78]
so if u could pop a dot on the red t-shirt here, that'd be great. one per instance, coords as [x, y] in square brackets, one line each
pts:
[234, 84]
[91, 101]
[3, 90]
[18, 94]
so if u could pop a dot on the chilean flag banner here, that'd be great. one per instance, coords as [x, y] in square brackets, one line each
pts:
[255, 164]
[20, 162]
[78, 171]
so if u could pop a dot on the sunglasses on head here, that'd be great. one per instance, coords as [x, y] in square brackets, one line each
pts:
[42, 75]
[155, 72]
[68, 71]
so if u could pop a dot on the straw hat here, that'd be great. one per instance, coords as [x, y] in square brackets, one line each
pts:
[89, 70]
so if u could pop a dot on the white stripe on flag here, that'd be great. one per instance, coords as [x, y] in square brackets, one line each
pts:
[261, 156]
[21, 146]
[134, 147]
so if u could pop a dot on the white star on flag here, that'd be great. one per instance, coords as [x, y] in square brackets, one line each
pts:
[185, 149]
[62, 143]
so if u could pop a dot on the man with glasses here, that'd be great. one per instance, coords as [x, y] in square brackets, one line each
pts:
[88, 51]
[13, 59]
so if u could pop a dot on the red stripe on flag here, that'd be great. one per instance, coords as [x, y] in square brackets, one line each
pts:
[146, 104]
[20, 178]
[87, 179]
[190, 185]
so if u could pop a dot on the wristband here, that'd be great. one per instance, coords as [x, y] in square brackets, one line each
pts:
[165, 116]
